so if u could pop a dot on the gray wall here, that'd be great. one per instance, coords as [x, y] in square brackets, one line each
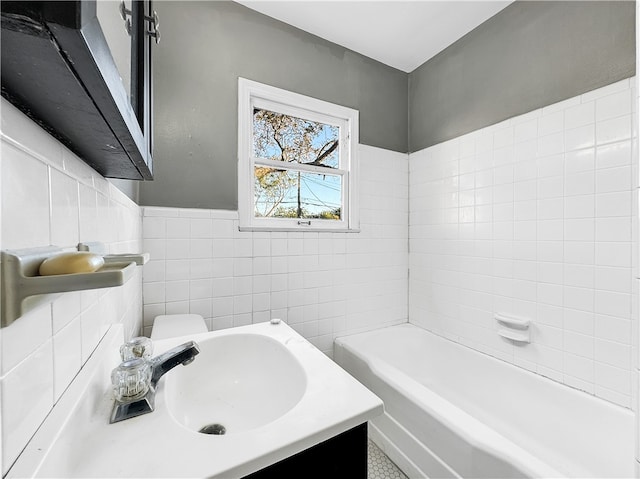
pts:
[205, 47]
[529, 55]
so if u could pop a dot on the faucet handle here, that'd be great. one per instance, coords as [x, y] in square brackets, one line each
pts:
[138, 347]
[131, 380]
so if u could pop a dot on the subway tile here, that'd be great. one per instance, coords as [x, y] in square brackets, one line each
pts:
[154, 227]
[579, 115]
[242, 248]
[177, 307]
[203, 307]
[177, 228]
[222, 307]
[525, 170]
[613, 354]
[526, 130]
[614, 105]
[579, 252]
[154, 271]
[613, 279]
[175, 269]
[242, 285]
[200, 289]
[580, 161]
[64, 210]
[614, 155]
[579, 275]
[579, 344]
[154, 292]
[550, 187]
[579, 321]
[612, 303]
[20, 130]
[64, 309]
[579, 183]
[550, 230]
[201, 228]
[550, 208]
[613, 254]
[503, 137]
[611, 377]
[613, 179]
[554, 144]
[550, 123]
[222, 287]
[67, 356]
[201, 248]
[88, 213]
[151, 311]
[25, 335]
[581, 229]
[613, 204]
[581, 299]
[25, 203]
[579, 138]
[223, 228]
[582, 206]
[580, 367]
[550, 294]
[552, 251]
[550, 166]
[262, 284]
[156, 248]
[614, 329]
[27, 398]
[613, 130]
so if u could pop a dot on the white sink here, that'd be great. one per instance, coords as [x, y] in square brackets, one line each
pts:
[239, 381]
[274, 392]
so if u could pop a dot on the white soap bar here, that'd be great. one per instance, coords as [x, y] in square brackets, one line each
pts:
[69, 263]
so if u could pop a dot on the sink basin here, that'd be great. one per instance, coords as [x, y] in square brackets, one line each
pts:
[238, 381]
[273, 391]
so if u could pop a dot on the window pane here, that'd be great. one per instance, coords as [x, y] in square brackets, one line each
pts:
[291, 194]
[281, 137]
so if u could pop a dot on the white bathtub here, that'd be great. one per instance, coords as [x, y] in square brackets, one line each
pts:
[451, 411]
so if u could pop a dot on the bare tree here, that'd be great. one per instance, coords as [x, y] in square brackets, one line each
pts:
[280, 137]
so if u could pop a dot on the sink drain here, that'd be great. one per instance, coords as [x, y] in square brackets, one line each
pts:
[215, 429]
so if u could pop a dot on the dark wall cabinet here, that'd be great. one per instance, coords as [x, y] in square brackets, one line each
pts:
[59, 68]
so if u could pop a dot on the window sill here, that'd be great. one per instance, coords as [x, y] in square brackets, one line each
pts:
[297, 230]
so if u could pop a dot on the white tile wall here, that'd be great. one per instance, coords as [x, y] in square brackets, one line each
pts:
[323, 284]
[49, 196]
[535, 217]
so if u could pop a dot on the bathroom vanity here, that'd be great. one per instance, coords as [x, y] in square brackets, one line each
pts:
[286, 407]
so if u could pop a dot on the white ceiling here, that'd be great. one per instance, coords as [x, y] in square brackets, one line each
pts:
[402, 34]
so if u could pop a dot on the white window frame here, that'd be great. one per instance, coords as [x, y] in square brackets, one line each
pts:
[252, 95]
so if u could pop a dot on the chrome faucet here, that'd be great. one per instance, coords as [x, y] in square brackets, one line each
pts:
[162, 364]
[142, 399]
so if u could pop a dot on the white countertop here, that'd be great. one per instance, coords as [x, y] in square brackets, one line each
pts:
[76, 439]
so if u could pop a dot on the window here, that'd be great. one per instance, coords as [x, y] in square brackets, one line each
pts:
[296, 161]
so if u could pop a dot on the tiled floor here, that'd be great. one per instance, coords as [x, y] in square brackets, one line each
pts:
[380, 466]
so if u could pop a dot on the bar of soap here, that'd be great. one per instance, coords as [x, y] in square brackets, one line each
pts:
[69, 263]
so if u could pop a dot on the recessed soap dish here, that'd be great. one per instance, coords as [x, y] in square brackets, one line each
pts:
[23, 289]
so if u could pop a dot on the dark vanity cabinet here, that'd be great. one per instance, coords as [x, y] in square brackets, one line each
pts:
[342, 456]
[82, 71]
